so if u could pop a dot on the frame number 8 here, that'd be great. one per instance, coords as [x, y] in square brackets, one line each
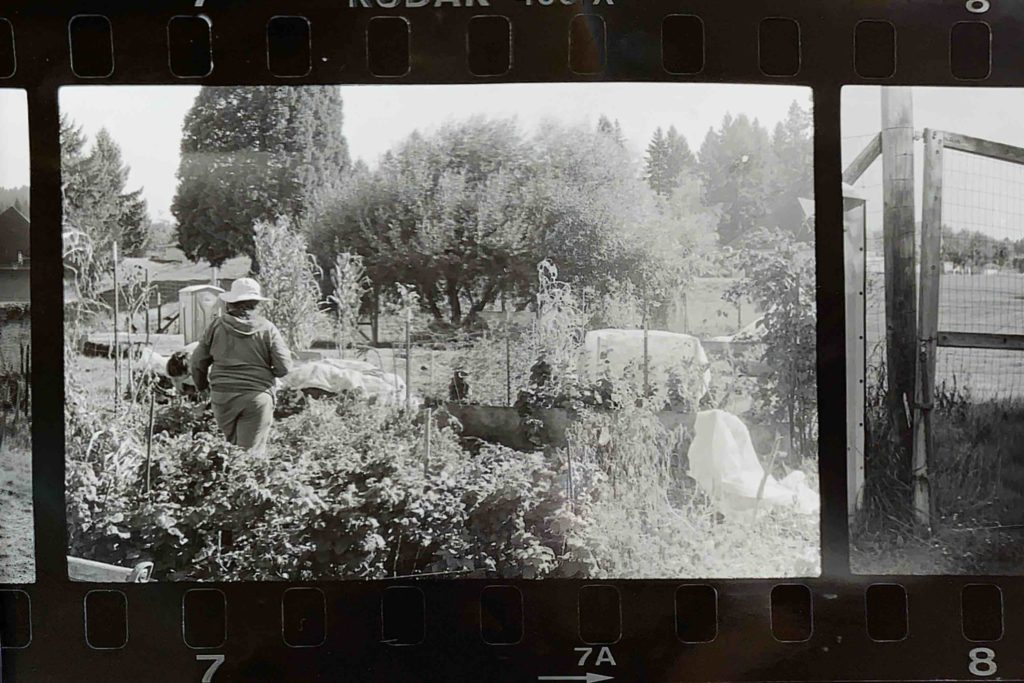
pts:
[983, 661]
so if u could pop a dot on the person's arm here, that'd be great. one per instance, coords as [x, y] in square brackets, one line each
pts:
[202, 360]
[280, 355]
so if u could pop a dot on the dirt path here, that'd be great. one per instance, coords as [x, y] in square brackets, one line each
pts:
[17, 560]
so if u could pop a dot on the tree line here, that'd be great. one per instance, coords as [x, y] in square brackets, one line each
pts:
[965, 247]
[462, 214]
[16, 197]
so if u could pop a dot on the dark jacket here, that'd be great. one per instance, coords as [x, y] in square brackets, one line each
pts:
[241, 355]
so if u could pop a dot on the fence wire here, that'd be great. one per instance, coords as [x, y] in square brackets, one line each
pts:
[982, 283]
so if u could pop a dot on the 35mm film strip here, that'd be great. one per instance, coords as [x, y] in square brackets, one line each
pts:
[511, 340]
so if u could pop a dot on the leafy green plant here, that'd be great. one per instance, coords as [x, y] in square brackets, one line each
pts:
[290, 277]
[350, 285]
[779, 279]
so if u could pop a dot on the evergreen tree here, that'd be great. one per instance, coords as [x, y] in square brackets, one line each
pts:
[252, 154]
[735, 164]
[135, 224]
[668, 159]
[793, 172]
[14, 196]
[655, 163]
[612, 129]
[125, 213]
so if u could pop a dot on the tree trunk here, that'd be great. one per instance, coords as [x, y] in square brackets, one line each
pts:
[254, 264]
[489, 296]
[452, 291]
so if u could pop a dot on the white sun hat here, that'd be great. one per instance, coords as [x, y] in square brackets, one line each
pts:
[244, 289]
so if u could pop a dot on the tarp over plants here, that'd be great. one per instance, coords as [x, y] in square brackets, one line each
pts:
[725, 466]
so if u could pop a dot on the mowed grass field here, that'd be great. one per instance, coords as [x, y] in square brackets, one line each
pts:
[17, 558]
[967, 303]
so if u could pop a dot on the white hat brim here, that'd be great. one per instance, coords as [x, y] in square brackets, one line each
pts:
[230, 298]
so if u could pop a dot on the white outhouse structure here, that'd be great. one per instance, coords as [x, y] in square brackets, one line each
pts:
[198, 306]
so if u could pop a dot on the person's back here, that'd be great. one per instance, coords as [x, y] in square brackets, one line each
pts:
[238, 359]
[247, 354]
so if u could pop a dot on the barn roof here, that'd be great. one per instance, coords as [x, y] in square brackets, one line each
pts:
[14, 236]
[12, 219]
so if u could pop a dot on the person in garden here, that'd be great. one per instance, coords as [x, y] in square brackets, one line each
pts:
[239, 359]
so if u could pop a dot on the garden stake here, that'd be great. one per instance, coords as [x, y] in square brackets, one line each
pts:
[3, 420]
[767, 473]
[426, 455]
[159, 312]
[508, 357]
[147, 307]
[149, 433]
[408, 358]
[117, 313]
[568, 455]
[647, 385]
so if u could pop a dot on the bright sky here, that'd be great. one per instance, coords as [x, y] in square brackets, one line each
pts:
[981, 195]
[146, 120]
[14, 156]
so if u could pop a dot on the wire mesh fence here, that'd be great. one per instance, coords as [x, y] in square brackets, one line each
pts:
[982, 284]
[982, 281]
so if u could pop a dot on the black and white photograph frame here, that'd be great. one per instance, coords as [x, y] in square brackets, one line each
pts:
[935, 279]
[17, 547]
[483, 331]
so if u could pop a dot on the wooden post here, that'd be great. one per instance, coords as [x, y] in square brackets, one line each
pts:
[117, 351]
[928, 327]
[900, 286]
[854, 212]
[159, 312]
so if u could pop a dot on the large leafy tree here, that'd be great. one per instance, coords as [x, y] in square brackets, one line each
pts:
[252, 154]
[465, 214]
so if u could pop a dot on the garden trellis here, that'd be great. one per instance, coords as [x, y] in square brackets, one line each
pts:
[958, 283]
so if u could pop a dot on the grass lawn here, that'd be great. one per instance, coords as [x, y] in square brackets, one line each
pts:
[977, 485]
[17, 557]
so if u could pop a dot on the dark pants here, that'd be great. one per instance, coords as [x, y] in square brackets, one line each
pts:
[245, 418]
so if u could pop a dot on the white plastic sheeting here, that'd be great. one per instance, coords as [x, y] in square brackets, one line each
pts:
[725, 466]
[622, 347]
[336, 375]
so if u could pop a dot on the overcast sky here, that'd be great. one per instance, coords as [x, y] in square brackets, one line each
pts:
[980, 194]
[146, 120]
[13, 138]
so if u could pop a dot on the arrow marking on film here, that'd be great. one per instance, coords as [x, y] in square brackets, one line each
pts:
[589, 678]
[199, 3]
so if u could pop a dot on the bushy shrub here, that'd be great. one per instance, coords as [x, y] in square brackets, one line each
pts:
[347, 490]
[344, 491]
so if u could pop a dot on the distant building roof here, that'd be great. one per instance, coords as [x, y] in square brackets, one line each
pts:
[14, 236]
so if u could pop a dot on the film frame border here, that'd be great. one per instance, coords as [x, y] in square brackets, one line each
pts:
[922, 55]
